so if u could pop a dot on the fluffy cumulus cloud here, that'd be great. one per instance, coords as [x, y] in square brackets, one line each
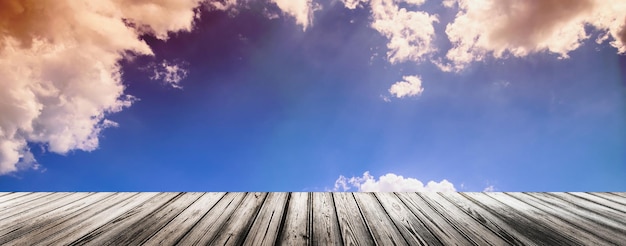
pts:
[497, 28]
[408, 87]
[59, 70]
[390, 183]
[410, 34]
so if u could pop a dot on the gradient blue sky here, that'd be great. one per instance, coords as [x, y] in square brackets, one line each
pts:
[268, 106]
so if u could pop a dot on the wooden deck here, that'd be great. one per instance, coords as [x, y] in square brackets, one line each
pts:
[102, 218]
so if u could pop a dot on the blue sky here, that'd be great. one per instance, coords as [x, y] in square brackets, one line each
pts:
[266, 102]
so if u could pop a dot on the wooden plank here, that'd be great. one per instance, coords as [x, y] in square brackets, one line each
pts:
[464, 223]
[235, 228]
[382, 228]
[325, 225]
[50, 228]
[354, 231]
[10, 196]
[296, 229]
[412, 229]
[557, 224]
[5, 193]
[143, 229]
[91, 220]
[540, 233]
[213, 221]
[267, 225]
[602, 201]
[612, 223]
[622, 194]
[13, 205]
[176, 229]
[591, 206]
[435, 223]
[20, 228]
[121, 224]
[33, 212]
[25, 203]
[487, 219]
[611, 197]
[603, 232]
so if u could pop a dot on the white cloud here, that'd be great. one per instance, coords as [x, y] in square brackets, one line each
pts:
[489, 189]
[390, 183]
[410, 33]
[170, 73]
[497, 28]
[353, 4]
[301, 10]
[408, 87]
[59, 70]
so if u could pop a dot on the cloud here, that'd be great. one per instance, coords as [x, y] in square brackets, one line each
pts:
[410, 34]
[489, 189]
[408, 87]
[59, 70]
[484, 28]
[170, 73]
[301, 10]
[390, 183]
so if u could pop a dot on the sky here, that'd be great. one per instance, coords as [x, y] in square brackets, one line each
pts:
[313, 95]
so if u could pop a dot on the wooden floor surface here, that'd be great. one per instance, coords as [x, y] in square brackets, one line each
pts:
[314, 218]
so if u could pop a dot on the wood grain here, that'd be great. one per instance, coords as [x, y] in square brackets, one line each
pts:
[382, 228]
[183, 222]
[326, 229]
[205, 229]
[267, 225]
[296, 228]
[354, 231]
[260, 218]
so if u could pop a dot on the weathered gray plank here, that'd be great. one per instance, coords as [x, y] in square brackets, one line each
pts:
[611, 197]
[487, 219]
[213, 221]
[465, 224]
[354, 231]
[13, 195]
[93, 219]
[143, 229]
[46, 229]
[266, 226]
[435, 222]
[235, 228]
[581, 211]
[28, 213]
[28, 203]
[602, 201]
[5, 193]
[589, 205]
[20, 228]
[176, 229]
[571, 218]
[411, 228]
[325, 225]
[382, 228]
[121, 224]
[622, 194]
[557, 224]
[539, 232]
[295, 231]
[16, 203]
